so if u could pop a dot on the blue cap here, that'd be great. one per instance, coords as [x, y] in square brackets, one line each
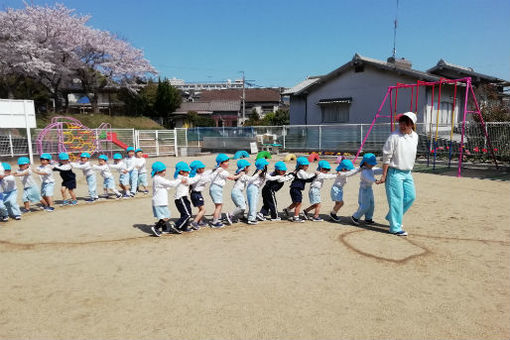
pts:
[23, 161]
[323, 165]
[368, 158]
[157, 167]
[63, 156]
[85, 155]
[345, 164]
[302, 161]
[6, 166]
[241, 164]
[130, 149]
[117, 156]
[280, 166]
[45, 156]
[221, 158]
[181, 166]
[103, 157]
[138, 150]
[195, 165]
[261, 163]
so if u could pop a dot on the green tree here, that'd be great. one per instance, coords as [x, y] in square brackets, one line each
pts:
[199, 121]
[140, 103]
[492, 107]
[168, 99]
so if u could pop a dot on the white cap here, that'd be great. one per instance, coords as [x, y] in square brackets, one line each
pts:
[411, 116]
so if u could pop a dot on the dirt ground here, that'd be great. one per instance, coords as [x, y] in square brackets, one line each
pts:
[94, 271]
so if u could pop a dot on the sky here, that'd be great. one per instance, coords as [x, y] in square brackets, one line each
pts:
[281, 42]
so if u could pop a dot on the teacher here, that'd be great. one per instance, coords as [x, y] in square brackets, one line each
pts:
[399, 154]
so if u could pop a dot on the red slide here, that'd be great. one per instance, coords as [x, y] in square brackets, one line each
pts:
[112, 136]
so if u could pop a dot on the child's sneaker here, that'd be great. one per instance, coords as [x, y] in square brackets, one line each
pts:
[17, 217]
[195, 225]
[145, 191]
[169, 227]
[187, 229]
[228, 218]
[252, 222]
[286, 212]
[400, 233]
[260, 217]
[64, 203]
[155, 231]
[306, 216]
[4, 218]
[354, 220]
[49, 209]
[216, 225]
[334, 217]
[126, 196]
[370, 221]
[315, 219]
[90, 199]
[24, 210]
[75, 202]
[117, 196]
[202, 224]
[297, 219]
[276, 219]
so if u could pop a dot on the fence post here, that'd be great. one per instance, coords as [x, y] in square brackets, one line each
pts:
[284, 133]
[175, 143]
[361, 134]
[320, 138]
[198, 137]
[10, 144]
[135, 142]
[157, 143]
[186, 134]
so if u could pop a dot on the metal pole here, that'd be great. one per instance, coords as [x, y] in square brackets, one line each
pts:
[468, 84]
[360, 134]
[157, 143]
[244, 99]
[283, 133]
[175, 143]
[320, 138]
[29, 136]
[10, 144]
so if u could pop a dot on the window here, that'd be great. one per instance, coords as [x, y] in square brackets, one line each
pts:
[335, 113]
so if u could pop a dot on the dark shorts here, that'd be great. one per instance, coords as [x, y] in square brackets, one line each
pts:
[197, 199]
[71, 185]
[296, 195]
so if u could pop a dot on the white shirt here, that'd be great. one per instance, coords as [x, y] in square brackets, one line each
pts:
[260, 181]
[8, 183]
[130, 163]
[1, 174]
[302, 174]
[85, 167]
[341, 177]
[48, 173]
[160, 186]
[199, 181]
[399, 151]
[27, 180]
[319, 180]
[104, 170]
[241, 182]
[120, 166]
[182, 189]
[367, 176]
[219, 177]
[140, 165]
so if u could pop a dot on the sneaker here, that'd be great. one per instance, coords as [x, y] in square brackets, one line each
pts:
[4, 218]
[260, 217]
[117, 196]
[187, 229]
[64, 203]
[195, 225]
[286, 212]
[49, 209]
[155, 231]
[297, 219]
[126, 196]
[75, 202]
[370, 221]
[306, 215]
[228, 218]
[24, 211]
[252, 222]
[334, 217]
[316, 219]
[202, 223]
[132, 194]
[145, 191]
[17, 217]
[276, 219]
[169, 228]
[90, 200]
[400, 233]
[217, 225]
[354, 220]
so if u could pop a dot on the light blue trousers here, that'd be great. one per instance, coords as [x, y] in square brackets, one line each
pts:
[92, 184]
[366, 203]
[3, 209]
[10, 202]
[252, 193]
[133, 180]
[238, 199]
[401, 194]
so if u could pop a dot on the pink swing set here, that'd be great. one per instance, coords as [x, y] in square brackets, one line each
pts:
[392, 94]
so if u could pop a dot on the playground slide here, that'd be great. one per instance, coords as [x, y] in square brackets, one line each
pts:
[112, 136]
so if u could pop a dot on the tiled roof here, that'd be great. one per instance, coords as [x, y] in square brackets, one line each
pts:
[252, 95]
[301, 86]
[209, 107]
[449, 70]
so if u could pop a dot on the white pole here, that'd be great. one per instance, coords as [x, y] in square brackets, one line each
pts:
[320, 137]
[29, 136]
[283, 133]
[175, 143]
[157, 143]
[10, 144]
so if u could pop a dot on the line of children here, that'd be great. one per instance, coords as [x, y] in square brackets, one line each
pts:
[68, 179]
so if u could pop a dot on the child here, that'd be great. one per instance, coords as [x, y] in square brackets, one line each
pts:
[10, 195]
[160, 185]
[89, 174]
[199, 177]
[219, 177]
[45, 170]
[237, 191]
[4, 216]
[269, 206]
[120, 166]
[344, 170]
[182, 203]
[133, 171]
[366, 195]
[297, 186]
[30, 191]
[68, 179]
[142, 171]
[315, 190]
[108, 181]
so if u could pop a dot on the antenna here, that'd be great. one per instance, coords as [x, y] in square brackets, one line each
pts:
[395, 24]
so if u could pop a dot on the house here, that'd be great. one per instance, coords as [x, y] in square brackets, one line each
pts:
[223, 112]
[353, 92]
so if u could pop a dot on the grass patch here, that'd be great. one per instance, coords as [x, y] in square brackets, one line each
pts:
[94, 120]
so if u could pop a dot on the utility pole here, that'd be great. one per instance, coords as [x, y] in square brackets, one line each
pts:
[244, 98]
[395, 24]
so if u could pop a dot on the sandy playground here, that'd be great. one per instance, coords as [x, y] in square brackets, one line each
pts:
[94, 271]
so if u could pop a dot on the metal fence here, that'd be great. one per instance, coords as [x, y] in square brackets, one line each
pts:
[438, 140]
